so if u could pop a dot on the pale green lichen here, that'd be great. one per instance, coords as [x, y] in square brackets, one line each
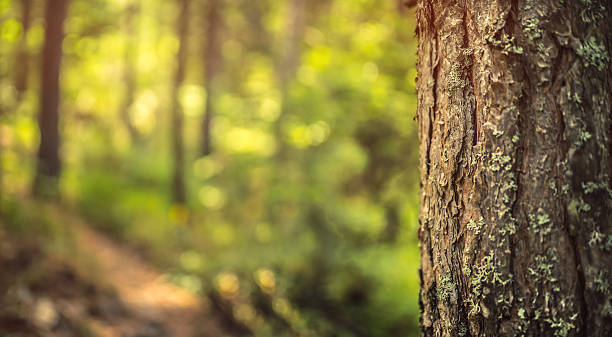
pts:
[476, 227]
[446, 288]
[553, 187]
[542, 50]
[541, 223]
[481, 273]
[601, 282]
[485, 272]
[532, 29]
[561, 327]
[583, 137]
[462, 331]
[574, 97]
[592, 11]
[454, 82]
[593, 54]
[591, 186]
[542, 270]
[565, 189]
[607, 308]
[584, 206]
[499, 161]
[597, 239]
[543, 219]
[506, 43]
[474, 307]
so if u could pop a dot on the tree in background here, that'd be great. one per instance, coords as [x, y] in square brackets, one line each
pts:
[290, 60]
[129, 71]
[178, 177]
[514, 117]
[383, 143]
[22, 55]
[254, 12]
[212, 65]
[48, 164]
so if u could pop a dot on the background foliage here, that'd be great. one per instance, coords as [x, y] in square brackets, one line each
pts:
[302, 244]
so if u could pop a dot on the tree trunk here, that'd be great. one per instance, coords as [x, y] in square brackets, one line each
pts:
[515, 127]
[178, 181]
[392, 222]
[22, 60]
[259, 37]
[290, 60]
[129, 73]
[48, 166]
[212, 64]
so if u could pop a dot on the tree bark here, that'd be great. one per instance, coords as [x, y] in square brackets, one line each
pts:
[49, 165]
[178, 180]
[212, 64]
[515, 128]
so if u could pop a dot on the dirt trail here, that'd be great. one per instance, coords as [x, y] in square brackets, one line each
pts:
[147, 296]
[140, 287]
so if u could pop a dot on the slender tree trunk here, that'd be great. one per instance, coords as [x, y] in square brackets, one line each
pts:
[49, 165]
[515, 127]
[212, 64]
[290, 60]
[129, 73]
[22, 60]
[254, 12]
[178, 180]
[2, 192]
[392, 222]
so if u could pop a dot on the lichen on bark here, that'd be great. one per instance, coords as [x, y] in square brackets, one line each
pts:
[515, 127]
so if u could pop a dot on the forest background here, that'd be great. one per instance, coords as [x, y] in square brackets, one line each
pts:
[247, 148]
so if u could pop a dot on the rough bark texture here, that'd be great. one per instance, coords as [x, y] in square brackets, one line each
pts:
[212, 64]
[49, 165]
[515, 130]
[178, 178]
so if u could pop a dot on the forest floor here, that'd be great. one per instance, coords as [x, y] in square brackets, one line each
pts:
[99, 288]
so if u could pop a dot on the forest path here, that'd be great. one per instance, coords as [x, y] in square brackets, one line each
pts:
[157, 307]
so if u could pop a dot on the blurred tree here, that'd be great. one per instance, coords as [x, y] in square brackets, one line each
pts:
[290, 60]
[22, 54]
[129, 71]
[514, 116]
[49, 165]
[178, 180]
[254, 12]
[384, 145]
[212, 66]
